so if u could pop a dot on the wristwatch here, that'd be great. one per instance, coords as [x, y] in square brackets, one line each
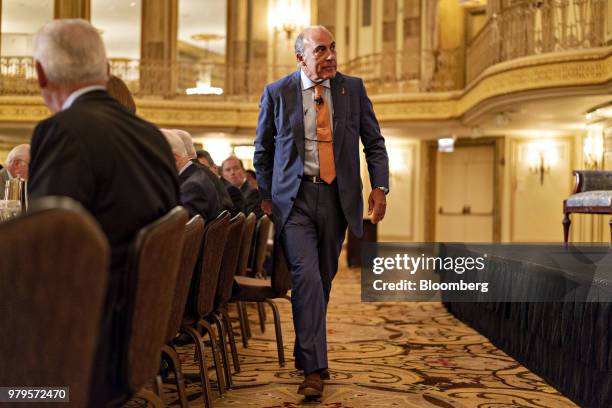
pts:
[384, 189]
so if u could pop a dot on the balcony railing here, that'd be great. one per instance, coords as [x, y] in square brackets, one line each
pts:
[537, 27]
[383, 73]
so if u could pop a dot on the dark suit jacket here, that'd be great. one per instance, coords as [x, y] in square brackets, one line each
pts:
[198, 193]
[225, 201]
[117, 165]
[121, 169]
[279, 145]
[239, 203]
[251, 199]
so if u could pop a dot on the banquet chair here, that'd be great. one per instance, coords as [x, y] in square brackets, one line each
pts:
[241, 270]
[256, 268]
[592, 194]
[52, 296]
[153, 266]
[262, 232]
[264, 290]
[194, 231]
[202, 296]
[223, 294]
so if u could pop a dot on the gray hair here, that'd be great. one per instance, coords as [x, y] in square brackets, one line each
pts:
[175, 142]
[71, 51]
[19, 152]
[187, 141]
[299, 41]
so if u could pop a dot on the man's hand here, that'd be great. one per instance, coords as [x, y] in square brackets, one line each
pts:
[377, 205]
[266, 207]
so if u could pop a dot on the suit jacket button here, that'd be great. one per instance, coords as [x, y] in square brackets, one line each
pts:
[292, 198]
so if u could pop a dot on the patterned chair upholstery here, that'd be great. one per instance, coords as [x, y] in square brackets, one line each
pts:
[592, 195]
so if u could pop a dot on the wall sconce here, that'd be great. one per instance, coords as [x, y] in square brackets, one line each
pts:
[447, 144]
[593, 147]
[287, 16]
[540, 157]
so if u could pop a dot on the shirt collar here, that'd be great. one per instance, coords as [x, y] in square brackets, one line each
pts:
[189, 163]
[81, 91]
[307, 83]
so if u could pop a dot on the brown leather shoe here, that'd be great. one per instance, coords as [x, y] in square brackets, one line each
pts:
[312, 385]
[325, 374]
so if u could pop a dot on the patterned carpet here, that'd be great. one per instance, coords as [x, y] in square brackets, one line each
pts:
[381, 355]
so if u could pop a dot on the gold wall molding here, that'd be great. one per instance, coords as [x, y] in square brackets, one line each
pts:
[548, 71]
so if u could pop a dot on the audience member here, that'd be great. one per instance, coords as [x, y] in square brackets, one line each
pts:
[119, 90]
[118, 166]
[251, 178]
[225, 201]
[232, 170]
[17, 163]
[206, 159]
[198, 193]
[238, 202]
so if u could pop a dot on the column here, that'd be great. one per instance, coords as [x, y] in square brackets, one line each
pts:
[72, 9]
[158, 48]
[247, 47]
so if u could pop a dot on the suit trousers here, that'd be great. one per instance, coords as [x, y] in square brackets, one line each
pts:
[312, 239]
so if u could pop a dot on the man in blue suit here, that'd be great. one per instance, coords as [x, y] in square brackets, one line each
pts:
[308, 172]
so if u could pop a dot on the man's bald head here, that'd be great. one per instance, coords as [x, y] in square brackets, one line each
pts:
[315, 51]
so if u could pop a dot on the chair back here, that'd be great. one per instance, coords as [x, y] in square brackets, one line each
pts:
[261, 246]
[51, 296]
[194, 230]
[281, 279]
[153, 267]
[245, 247]
[230, 260]
[207, 272]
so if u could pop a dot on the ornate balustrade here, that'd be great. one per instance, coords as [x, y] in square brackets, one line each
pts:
[383, 73]
[526, 28]
[536, 27]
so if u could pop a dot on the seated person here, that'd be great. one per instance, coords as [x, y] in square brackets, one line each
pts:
[117, 165]
[232, 170]
[234, 193]
[17, 163]
[197, 192]
[225, 201]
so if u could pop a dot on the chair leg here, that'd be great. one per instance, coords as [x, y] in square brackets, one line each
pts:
[150, 397]
[157, 387]
[224, 356]
[610, 223]
[279, 333]
[262, 317]
[243, 323]
[230, 338]
[566, 227]
[206, 327]
[178, 374]
[247, 325]
[199, 343]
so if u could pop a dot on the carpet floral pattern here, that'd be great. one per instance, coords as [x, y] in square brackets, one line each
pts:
[380, 355]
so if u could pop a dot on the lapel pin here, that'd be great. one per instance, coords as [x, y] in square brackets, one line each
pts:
[342, 90]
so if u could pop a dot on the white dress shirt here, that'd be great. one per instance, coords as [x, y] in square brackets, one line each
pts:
[311, 151]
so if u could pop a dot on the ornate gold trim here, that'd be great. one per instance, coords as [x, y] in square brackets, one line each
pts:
[578, 68]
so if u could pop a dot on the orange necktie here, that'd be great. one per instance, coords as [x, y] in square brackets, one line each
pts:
[327, 166]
